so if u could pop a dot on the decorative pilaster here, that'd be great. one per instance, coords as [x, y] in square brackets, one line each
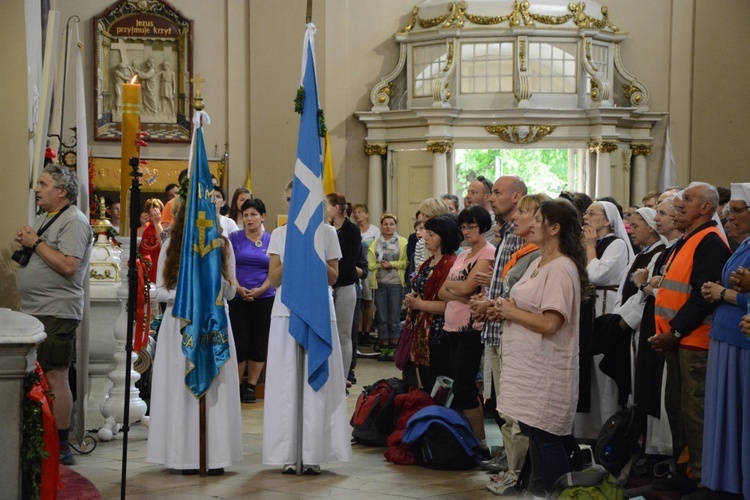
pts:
[603, 166]
[640, 152]
[439, 166]
[375, 177]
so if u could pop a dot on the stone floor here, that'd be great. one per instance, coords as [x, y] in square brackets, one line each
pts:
[367, 476]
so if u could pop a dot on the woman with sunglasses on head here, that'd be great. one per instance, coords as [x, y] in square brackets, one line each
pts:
[539, 379]
[464, 334]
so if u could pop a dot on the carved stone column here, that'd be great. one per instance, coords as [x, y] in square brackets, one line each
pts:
[603, 167]
[375, 178]
[439, 166]
[19, 336]
[639, 188]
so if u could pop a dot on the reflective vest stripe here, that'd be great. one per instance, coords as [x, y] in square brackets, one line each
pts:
[675, 286]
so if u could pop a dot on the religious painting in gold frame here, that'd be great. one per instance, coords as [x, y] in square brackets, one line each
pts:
[149, 39]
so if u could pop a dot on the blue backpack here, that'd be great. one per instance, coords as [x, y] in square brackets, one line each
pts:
[441, 438]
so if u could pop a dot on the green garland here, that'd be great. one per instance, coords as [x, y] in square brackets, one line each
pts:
[32, 447]
[299, 102]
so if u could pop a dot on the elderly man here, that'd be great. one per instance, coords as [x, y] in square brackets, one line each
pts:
[506, 192]
[51, 283]
[683, 317]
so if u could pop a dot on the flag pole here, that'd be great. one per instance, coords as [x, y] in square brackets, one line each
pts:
[301, 350]
[202, 437]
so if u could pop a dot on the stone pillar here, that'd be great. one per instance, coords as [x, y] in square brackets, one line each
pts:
[19, 336]
[439, 166]
[603, 167]
[375, 178]
[639, 178]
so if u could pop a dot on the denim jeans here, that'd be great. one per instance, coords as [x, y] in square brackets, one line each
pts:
[388, 300]
[549, 460]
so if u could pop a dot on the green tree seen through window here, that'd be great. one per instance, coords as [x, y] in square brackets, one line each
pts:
[543, 170]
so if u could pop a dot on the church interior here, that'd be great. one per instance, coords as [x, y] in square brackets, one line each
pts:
[403, 86]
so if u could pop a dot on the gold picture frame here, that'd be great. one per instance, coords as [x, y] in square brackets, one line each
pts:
[151, 40]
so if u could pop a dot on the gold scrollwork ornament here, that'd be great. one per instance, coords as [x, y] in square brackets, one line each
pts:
[602, 147]
[641, 149]
[439, 147]
[375, 149]
[521, 134]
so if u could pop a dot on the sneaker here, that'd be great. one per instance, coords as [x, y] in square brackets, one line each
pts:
[311, 470]
[386, 354]
[289, 469]
[507, 486]
[496, 464]
[248, 396]
[66, 457]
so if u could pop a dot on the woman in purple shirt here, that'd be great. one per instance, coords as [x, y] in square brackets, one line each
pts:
[250, 310]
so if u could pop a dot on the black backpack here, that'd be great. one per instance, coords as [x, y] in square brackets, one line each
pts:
[441, 438]
[619, 439]
[375, 415]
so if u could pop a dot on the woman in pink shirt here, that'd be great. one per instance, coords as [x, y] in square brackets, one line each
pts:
[539, 378]
[465, 336]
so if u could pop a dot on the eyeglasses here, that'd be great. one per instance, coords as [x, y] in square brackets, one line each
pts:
[737, 211]
[469, 227]
[592, 214]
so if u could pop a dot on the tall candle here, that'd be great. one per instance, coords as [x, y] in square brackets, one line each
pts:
[131, 124]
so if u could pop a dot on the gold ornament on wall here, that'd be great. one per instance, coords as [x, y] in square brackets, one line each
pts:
[521, 134]
[375, 149]
[439, 147]
[602, 147]
[641, 149]
[458, 13]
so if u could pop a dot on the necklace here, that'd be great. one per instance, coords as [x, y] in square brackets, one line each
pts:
[259, 242]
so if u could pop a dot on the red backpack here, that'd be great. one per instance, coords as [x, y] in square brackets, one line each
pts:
[375, 415]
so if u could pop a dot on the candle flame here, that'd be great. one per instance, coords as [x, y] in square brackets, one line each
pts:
[134, 79]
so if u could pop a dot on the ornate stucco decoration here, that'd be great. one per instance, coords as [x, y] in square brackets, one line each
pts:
[635, 91]
[601, 89]
[458, 14]
[382, 93]
[521, 134]
[522, 90]
[375, 149]
[439, 147]
[441, 91]
[602, 147]
[641, 149]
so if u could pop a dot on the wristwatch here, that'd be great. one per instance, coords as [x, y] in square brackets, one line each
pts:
[723, 292]
[36, 244]
[643, 286]
[676, 334]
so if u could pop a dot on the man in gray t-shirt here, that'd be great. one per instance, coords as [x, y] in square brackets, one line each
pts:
[51, 283]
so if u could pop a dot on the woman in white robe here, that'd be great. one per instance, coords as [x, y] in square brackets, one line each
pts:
[326, 434]
[609, 257]
[173, 435]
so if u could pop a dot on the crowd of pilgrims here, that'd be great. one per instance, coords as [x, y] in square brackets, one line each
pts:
[555, 311]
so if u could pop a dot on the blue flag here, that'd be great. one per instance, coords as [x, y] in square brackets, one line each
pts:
[199, 302]
[305, 291]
